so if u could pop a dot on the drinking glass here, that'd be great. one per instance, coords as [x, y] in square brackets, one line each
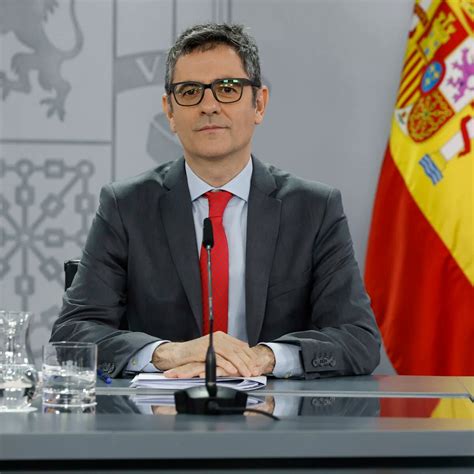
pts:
[69, 374]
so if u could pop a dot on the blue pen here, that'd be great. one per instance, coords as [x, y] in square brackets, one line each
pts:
[103, 376]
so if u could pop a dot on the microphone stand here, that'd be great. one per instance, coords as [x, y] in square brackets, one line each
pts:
[210, 399]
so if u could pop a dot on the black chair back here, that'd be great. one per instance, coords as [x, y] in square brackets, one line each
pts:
[70, 269]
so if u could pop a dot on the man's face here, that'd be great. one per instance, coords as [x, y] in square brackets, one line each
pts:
[211, 130]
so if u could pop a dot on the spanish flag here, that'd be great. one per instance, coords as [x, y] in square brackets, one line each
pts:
[420, 257]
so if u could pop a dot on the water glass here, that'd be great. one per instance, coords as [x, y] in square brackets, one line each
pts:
[69, 374]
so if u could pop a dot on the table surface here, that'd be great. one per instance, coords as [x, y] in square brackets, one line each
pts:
[376, 417]
[367, 385]
[468, 383]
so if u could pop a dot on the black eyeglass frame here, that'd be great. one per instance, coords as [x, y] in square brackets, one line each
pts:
[243, 80]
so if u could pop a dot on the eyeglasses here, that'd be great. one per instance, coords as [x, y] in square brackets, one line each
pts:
[225, 91]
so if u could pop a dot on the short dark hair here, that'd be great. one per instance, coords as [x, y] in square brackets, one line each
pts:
[209, 35]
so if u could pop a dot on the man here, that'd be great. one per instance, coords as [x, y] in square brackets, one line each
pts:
[288, 296]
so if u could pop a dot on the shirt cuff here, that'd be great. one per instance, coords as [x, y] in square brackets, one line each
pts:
[141, 360]
[287, 359]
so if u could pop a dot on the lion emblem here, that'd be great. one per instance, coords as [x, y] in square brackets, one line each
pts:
[26, 19]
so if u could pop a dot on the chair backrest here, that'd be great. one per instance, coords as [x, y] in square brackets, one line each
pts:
[70, 269]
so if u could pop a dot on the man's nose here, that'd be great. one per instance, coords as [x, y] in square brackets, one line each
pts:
[209, 104]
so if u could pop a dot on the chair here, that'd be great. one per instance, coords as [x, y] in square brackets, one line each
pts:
[70, 269]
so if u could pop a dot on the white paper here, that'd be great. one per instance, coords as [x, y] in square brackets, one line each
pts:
[168, 400]
[159, 381]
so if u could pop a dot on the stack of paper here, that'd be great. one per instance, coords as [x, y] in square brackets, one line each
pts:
[160, 382]
[168, 400]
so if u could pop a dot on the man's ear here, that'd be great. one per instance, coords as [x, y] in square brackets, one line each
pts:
[261, 104]
[168, 111]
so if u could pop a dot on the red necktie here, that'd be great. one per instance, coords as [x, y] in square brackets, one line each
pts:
[219, 265]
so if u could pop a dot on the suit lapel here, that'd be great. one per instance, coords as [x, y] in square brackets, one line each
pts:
[263, 221]
[177, 215]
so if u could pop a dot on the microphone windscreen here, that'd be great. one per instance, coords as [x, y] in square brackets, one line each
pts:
[207, 235]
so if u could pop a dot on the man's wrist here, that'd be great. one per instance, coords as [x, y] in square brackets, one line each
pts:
[287, 359]
[266, 358]
[163, 355]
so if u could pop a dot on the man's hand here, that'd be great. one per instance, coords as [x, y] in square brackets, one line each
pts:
[193, 369]
[198, 369]
[233, 357]
[265, 359]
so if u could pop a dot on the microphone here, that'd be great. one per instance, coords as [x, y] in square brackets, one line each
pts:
[208, 243]
[207, 234]
[210, 399]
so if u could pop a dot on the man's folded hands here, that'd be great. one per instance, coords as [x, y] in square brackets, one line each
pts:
[233, 357]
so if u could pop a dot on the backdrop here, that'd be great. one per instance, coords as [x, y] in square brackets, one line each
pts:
[81, 84]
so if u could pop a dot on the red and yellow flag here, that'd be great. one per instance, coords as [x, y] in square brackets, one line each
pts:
[420, 257]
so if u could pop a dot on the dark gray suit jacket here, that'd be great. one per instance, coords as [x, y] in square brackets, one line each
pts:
[140, 271]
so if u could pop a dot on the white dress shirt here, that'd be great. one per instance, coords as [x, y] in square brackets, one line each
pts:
[287, 357]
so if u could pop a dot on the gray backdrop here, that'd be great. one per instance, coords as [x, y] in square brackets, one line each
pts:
[80, 88]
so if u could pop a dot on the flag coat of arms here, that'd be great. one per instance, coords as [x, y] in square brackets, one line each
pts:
[420, 257]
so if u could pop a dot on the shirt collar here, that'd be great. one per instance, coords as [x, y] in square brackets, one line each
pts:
[239, 185]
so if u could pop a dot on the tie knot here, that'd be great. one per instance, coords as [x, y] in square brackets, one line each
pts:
[218, 201]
